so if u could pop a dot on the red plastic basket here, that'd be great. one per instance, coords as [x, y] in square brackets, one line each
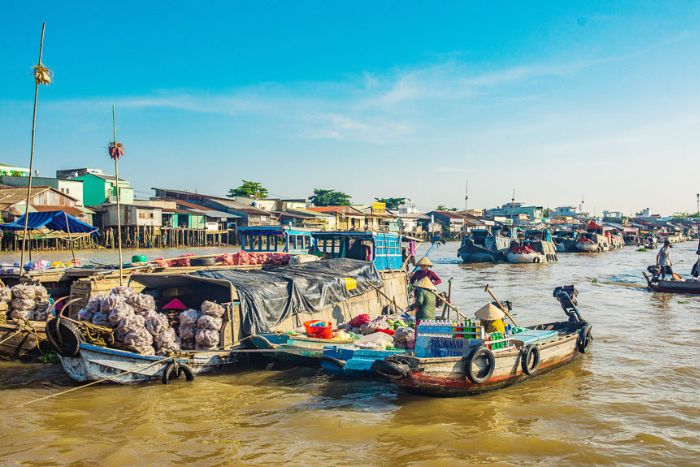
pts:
[319, 332]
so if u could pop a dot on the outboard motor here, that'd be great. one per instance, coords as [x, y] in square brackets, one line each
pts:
[655, 272]
[567, 295]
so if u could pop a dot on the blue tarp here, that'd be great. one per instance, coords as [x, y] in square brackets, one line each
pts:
[52, 220]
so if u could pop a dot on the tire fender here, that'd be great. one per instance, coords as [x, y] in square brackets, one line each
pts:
[173, 369]
[530, 352]
[583, 343]
[469, 363]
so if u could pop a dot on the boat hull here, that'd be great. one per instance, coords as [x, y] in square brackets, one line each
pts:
[19, 344]
[351, 362]
[447, 377]
[588, 247]
[522, 258]
[685, 287]
[95, 363]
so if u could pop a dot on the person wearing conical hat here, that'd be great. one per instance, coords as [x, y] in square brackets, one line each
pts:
[424, 303]
[492, 318]
[424, 270]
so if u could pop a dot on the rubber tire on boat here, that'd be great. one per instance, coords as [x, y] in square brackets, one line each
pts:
[58, 331]
[528, 352]
[536, 259]
[477, 353]
[583, 343]
[391, 369]
[175, 369]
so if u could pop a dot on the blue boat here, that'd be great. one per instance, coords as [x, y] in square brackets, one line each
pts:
[381, 248]
[484, 246]
[276, 239]
[351, 361]
[297, 350]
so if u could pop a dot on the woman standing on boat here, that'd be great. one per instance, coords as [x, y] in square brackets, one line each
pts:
[492, 318]
[424, 271]
[424, 303]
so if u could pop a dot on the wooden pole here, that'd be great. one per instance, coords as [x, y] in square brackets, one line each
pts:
[70, 237]
[500, 305]
[31, 155]
[119, 208]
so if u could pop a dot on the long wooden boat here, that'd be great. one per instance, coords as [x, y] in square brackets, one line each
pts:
[353, 362]
[292, 350]
[23, 341]
[544, 348]
[96, 363]
[689, 286]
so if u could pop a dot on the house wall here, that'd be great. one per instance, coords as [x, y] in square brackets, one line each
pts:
[97, 190]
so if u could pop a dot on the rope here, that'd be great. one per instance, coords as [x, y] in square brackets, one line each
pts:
[112, 378]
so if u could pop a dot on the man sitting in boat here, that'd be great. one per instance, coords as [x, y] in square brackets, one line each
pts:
[492, 318]
[424, 303]
[663, 260]
[424, 271]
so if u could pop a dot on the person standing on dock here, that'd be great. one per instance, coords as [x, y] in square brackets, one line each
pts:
[424, 303]
[663, 260]
[424, 271]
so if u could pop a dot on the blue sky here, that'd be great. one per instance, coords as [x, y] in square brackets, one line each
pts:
[556, 100]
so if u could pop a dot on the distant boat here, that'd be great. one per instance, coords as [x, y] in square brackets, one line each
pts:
[484, 246]
[565, 241]
[536, 247]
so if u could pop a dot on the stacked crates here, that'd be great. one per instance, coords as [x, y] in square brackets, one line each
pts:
[441, 338]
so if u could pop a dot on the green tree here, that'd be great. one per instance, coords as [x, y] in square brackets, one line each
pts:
[323, 197]
[249, 189]
[442, 207]
[391, 203]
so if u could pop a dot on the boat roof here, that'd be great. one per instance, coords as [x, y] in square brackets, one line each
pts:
[353, 234]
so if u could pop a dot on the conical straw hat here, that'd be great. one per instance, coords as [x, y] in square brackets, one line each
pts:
[426, 283]
[489, 312]
[424, 262]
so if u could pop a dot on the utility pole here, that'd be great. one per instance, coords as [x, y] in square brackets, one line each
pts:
[466, 196]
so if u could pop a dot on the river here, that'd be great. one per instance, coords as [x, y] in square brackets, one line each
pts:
[635, 399]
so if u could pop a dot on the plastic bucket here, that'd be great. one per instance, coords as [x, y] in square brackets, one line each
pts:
[139, 259]
[319, 331]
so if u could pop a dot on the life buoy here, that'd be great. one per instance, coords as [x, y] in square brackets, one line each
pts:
[480, 376]
[530, 352]
[585, 337]
[176, 369]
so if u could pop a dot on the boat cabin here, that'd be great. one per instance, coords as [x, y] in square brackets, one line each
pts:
[381, 248]
[276, 239]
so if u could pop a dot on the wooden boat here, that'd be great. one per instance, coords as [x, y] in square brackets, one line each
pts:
[95, 363]
[536, 247]
[687, 286]
[541, 349]
[353, 362]
[297, 350]
[23, 341]
[590, 242]
[484, 246]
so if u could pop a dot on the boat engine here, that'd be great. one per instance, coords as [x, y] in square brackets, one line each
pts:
[567, 295]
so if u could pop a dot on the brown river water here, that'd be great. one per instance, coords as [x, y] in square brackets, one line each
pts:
[635, 399]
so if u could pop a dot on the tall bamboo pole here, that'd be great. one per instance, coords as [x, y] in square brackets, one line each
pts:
[31, 153]
[119, 208]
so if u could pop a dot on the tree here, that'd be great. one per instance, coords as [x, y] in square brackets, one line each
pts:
[392, 203]
[442, 207]
[323, 197]
[249, 189]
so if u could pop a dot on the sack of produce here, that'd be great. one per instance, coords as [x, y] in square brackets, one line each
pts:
[41, 294]
[5, 294]
[376, 341]
[189, 317]
[138, 337]
[24, 304]
[21, 314]
[142, 303]
[110, 302]
[209, 323]
[85, 315]
[42, 311]
[157, 323]
[120, 313]
[207, 339]
[101, 318]
[23, 291]
[123, 291]
[166, 342]
[95, 303]
[405, 338]
[187, 332]
[380, 322]
[212, 309]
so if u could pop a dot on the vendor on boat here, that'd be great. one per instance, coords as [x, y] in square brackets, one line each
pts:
[492, 318]
[663, 260]
[424, 271]
[424, 303]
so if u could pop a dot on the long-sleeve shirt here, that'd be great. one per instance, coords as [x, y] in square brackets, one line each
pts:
[430, 274]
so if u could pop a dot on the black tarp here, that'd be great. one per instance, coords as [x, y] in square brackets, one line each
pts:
[269, 297]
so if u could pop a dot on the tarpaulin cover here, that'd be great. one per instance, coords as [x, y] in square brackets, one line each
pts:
[269, 297]
[52, 220]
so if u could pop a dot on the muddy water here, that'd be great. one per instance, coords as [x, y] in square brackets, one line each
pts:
[634, 400]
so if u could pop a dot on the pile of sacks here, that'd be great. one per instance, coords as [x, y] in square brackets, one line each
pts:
[26, 301]
[397, 327]
[252, 258]
[200, 329]
[136, 323]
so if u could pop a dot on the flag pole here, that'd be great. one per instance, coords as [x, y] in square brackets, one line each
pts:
[41, 76]
[115, 155]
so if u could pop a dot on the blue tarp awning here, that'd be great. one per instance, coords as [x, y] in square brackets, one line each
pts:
[52, 220]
